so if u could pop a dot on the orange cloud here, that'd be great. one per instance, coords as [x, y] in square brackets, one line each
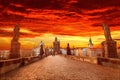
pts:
[72, 21]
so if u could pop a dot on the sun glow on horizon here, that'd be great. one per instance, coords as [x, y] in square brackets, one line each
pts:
[48, 38]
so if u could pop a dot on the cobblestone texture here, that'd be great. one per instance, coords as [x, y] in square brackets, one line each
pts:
[61, 68]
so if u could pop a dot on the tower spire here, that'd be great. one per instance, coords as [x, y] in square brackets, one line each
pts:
[90, 44]
[55, 38]
[90, 40]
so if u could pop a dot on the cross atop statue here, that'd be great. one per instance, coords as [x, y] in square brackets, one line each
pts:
[107, 32]
[16, 32]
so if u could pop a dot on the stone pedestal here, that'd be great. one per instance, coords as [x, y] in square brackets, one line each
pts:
[15, 49]
[109, 49]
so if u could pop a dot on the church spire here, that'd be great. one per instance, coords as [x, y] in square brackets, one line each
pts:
[90, 45]
[55, 38]
[90, 40]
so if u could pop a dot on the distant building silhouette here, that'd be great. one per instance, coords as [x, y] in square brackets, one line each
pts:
[15, 45]
[91, 51]
[56, 46]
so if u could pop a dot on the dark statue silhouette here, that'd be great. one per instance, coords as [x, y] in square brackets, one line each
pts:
[15, 45]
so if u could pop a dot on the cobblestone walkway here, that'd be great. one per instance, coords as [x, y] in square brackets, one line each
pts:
[61, 68]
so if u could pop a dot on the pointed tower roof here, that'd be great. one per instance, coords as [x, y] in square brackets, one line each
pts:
[90, 44]
[90, 41]
[55, 38]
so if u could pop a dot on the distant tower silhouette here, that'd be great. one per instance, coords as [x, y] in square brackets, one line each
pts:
[90, 44]
[56, 46]
[68, 49]
[15, 45]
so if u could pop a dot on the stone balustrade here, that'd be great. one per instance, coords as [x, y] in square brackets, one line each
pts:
[86, 59]
[111, 62]
[28, 60]
[10, 64]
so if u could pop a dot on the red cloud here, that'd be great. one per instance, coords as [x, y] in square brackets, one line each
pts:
[65, 18]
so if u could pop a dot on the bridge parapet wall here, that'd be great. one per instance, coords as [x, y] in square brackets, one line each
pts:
[86, 59]
[111, 62]
[8, 65]
[11, 64]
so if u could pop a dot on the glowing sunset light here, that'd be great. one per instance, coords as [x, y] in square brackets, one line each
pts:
[72, 21]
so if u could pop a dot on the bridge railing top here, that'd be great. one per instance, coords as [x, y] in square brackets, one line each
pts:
[18, 59]
[109, 60]
[10, 60]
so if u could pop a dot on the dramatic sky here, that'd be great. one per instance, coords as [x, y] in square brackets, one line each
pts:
[72, 21]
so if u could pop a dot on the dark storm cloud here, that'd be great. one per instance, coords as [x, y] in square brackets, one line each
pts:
[40, 14]
[36, 4]
[62, 4]
[18, 9]
[14, 17]
[95, 4]
[109, 24]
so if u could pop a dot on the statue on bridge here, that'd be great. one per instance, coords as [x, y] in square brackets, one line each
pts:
[16, 32]
[68, 49]
[56, 46]
[15, 45]
[108, 46]
[107, 32]
[41, 49]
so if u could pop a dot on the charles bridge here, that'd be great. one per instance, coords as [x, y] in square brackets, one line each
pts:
[60, 67]
[55, 65]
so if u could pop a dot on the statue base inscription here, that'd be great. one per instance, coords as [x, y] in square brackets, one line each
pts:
[109, 49]
[15, 49]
